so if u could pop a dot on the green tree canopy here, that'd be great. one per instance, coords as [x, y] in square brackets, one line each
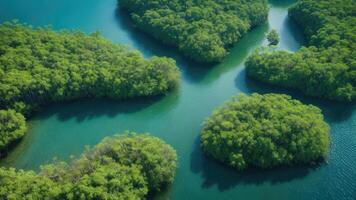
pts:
[39, 66]
[26, 186]
[12, 128]
[202, 30]
[127, 166]
[273, 37]
[327, 67]
[265, 131]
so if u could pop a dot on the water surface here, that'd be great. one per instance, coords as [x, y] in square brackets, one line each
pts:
[62, 130]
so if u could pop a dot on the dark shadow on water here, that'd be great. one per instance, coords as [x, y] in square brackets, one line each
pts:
[164, 194]
[238, 53]
[294, 33]
[9, 148]
[84, 109]
[216, 173]
[17, 150]
[333, 111]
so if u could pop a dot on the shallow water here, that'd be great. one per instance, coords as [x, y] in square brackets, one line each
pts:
[62, 130]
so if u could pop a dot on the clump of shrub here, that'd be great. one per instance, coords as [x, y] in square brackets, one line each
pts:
[128, 166]
[265, 131]
[273, 37]
[12, 128]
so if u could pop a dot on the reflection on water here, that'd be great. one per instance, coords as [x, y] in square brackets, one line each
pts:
[216, 173]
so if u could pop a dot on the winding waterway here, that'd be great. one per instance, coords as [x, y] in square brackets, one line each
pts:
[62, 130]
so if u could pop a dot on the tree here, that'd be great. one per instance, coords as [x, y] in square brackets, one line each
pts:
[110, 182]
[273, 37]
[12, 128]
[26, 185]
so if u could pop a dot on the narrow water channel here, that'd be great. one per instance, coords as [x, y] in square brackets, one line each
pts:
[62, 130]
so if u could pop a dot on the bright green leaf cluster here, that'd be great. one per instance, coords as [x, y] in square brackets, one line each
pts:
[327, 68]
[125, 166]
[12, 128]
[202, 29]
[273, 37]
[265, 131]
[39, 66]
[26, 186]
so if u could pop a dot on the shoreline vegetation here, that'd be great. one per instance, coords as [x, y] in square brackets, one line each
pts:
[124, 166]
[265, 131]
[326, 67]
[12, 129]
[202, 30]
[39, 66]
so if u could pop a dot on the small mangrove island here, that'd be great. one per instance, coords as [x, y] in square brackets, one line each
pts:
[265, 131]
[125, 166]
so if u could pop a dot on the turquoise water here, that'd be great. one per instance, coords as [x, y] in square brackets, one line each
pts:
[62, 130]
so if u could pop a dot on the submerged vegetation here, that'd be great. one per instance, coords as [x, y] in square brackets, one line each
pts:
[265, 131]
[39, 66]
[128, 166]
[327, 67]
[202, 30]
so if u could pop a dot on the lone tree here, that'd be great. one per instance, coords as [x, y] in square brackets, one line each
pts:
[273, 37]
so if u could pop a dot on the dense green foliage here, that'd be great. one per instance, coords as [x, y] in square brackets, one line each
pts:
[202, 30]
[157, 159]
[265, 131]
[327, 68]
[121, 167]
[26, 185]
[12, 128]
[40, 66]
[273, 37]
